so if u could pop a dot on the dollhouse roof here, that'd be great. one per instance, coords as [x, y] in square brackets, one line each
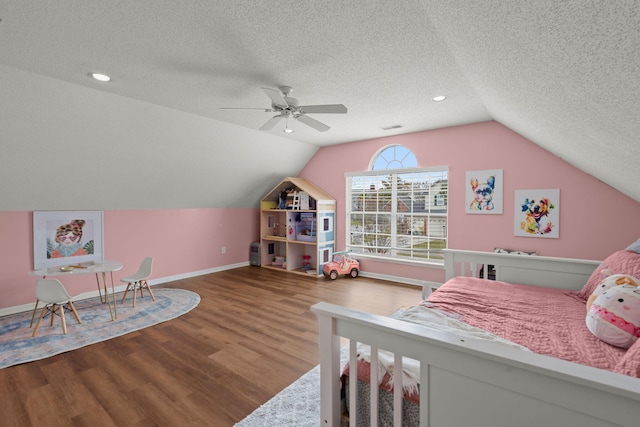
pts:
[300, 184]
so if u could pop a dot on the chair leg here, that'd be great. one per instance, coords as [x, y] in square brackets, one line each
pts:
[33, 315]
[136, 287]
[125, 293]
[75, 313]
[44, 310]
[62, 319]
[53, 312]
[134, 293]
[148, 288]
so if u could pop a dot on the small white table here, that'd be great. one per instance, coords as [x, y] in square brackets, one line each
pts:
[98, 268]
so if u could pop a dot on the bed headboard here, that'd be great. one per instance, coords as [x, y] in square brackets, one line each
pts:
[563, 273]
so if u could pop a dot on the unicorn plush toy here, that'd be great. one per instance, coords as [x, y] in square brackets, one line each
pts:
[614, 316]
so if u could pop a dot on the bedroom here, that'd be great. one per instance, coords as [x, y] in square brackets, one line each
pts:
[150, 167]
[69, 144]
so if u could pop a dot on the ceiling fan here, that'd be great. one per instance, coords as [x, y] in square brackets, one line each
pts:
[287, 107]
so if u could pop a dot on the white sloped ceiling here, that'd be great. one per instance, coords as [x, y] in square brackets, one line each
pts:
[564, 74]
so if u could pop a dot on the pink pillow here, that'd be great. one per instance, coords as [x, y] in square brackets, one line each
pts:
[629, 364]
[620, 262]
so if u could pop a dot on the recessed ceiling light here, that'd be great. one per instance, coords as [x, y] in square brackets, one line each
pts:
[438, 98]
[100, 77]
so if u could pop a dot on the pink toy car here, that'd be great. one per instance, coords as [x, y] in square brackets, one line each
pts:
[342, 263]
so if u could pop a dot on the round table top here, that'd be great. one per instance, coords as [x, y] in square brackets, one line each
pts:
[82, 268]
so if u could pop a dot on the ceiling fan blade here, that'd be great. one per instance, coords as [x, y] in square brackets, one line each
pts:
[323, 109]
[271, 122]
[266, 110]
[321, 127]
[276, 97]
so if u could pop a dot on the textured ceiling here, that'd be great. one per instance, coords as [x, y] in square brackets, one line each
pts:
[564, 74]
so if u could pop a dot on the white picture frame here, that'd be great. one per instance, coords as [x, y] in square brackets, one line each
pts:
[483, 194]
[537, 213]
[49, 252]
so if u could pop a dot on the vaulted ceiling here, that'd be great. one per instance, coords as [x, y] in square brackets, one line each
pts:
[564, 74]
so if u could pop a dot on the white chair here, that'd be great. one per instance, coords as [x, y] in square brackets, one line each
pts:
[56, 299]
[139, 280]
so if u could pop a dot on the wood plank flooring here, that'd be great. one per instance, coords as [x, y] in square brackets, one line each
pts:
[251, 335]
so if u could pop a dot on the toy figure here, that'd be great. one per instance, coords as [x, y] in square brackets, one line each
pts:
[614, 316]
[610, 281]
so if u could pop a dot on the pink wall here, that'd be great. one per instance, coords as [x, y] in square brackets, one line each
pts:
[181, 241]
[595, 219]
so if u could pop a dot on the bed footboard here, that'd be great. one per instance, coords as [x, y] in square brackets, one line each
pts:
[476, 383]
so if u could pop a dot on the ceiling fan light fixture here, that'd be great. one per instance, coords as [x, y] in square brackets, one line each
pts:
[439, 98]
[100, 77]
[286, 126]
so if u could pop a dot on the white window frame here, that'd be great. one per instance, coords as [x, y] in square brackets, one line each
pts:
[397, 252]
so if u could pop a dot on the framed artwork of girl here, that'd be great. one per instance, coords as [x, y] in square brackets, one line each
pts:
[62, 238]
[68, 241]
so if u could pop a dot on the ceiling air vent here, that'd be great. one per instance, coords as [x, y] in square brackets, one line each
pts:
[391, 127]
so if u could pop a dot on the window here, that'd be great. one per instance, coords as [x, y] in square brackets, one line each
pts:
[398, 213]
[394, 157]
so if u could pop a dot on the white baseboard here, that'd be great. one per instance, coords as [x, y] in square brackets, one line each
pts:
[28, 307]
[403, 280]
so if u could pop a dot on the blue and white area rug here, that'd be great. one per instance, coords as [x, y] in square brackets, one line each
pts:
[17, 346]
[298, 405]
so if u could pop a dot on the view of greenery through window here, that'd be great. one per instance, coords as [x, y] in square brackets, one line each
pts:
[398, 213]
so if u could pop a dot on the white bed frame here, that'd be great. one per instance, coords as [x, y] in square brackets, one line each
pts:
[479, 383]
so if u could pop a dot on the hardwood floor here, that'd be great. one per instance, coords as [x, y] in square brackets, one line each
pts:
[251, 335]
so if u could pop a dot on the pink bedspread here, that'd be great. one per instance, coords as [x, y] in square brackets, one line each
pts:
[547, 321]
